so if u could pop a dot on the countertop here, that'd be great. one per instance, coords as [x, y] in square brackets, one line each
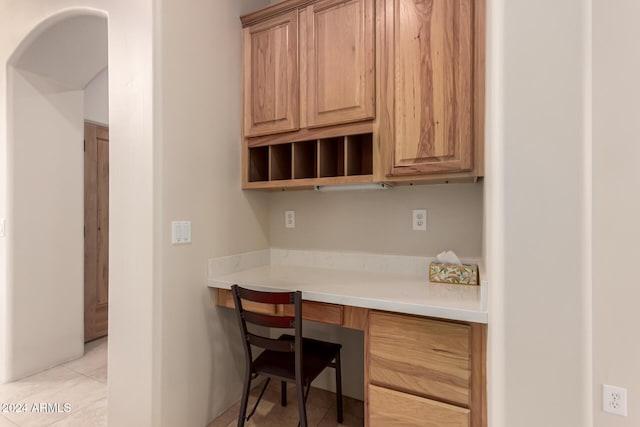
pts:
[382, 291]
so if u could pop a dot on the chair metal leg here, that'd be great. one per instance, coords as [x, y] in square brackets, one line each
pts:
[338, 388]
[266, 383]
[244, 401]
[283, 393]
[302, 410]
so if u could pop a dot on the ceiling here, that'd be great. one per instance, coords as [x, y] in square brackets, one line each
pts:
[71, 52]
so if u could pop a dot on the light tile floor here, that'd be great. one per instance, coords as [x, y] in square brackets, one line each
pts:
[81, 383]
[321, 410]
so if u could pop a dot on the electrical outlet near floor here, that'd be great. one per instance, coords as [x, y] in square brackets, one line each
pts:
[419, 220]
[614, 399]
[290, 219]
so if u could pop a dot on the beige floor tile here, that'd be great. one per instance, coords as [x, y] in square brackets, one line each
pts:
[78, 393]
[93, 415]
[94, 359]
[5, 422]
[321, 408]
[51, 379]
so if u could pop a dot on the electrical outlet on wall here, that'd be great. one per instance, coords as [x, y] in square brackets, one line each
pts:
[290, 219]
[614, 400]
[419, 220]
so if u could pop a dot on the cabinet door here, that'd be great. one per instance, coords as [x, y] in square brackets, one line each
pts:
[340, 62]
[393, 408]
[431, 57]
[271, 76]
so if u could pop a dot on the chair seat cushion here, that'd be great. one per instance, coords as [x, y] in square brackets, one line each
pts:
[316, 356]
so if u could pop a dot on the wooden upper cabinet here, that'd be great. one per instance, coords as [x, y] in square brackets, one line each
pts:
[340, 61]
[271, 88]
[429, 56]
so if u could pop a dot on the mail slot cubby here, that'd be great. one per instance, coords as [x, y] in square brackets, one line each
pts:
[280, 162]
[359, 154]
[305, 159]
[258, 164]
[331, 151]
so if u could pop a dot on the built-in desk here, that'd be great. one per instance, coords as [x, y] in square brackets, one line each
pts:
[425, 343]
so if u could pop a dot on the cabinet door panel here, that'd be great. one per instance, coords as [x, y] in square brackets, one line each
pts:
[340, 62]
[426, 357]
[389, 407]
[271, 96]
[433, 68]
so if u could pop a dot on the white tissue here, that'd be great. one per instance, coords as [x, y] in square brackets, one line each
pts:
[448, 257]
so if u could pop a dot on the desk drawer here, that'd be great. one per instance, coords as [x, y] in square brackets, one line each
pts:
[224, 298]
[425, 357]
[316, 311]
[319, 312]
[390, 407]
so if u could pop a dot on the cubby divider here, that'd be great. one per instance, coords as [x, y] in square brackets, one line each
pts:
[340, 156]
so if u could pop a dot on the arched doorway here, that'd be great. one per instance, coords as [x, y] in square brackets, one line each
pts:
[46, 81]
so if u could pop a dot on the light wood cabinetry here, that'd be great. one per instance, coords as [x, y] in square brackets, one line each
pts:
[339, 62]
[271, 93]
[424, 371]
[389, 407]
[409, 71]
[309, 94]
[432, 78]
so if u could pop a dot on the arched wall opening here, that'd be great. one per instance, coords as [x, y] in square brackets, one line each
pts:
[46, 79]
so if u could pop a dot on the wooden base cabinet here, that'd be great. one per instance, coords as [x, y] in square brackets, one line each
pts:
[424, 371]
[392, 408]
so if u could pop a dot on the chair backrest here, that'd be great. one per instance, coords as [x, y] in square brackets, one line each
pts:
[246, 315]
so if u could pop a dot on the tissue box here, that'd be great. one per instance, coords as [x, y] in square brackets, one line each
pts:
[456, 274]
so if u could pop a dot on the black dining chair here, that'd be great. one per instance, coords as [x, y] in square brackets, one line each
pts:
[289, 358]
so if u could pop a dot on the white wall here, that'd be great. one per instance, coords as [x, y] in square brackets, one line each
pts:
[539, 189]
[200, 116]
[616, 205]
[133, 338]
[96, 99]
[47, 234]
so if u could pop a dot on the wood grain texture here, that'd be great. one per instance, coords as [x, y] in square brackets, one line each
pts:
[96, 245]
[355, 317]
[224, 298]
[313, 133]
[478, 375]
[319, 312]
[393, 408]
[340, 62]
[276, 9]
[433, 90]
[479, 65]
[422, 356]
[270, 75]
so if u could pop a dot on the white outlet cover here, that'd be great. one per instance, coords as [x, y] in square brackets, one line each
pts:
[614, 399]
[290, 219]
[3, 231]
[420, 220]
[180, 232]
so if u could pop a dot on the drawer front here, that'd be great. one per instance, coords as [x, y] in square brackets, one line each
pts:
[319, 312]
[393, 408]
[426, 357]
[224, 298]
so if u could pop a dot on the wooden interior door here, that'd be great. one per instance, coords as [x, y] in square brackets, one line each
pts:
[96, 220]
[340, 62]
[431, 56]
[270, 66]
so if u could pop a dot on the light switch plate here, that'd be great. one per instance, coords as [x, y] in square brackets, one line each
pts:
[180, 232]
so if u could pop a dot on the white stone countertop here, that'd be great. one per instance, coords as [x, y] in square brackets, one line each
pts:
[382, 291]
